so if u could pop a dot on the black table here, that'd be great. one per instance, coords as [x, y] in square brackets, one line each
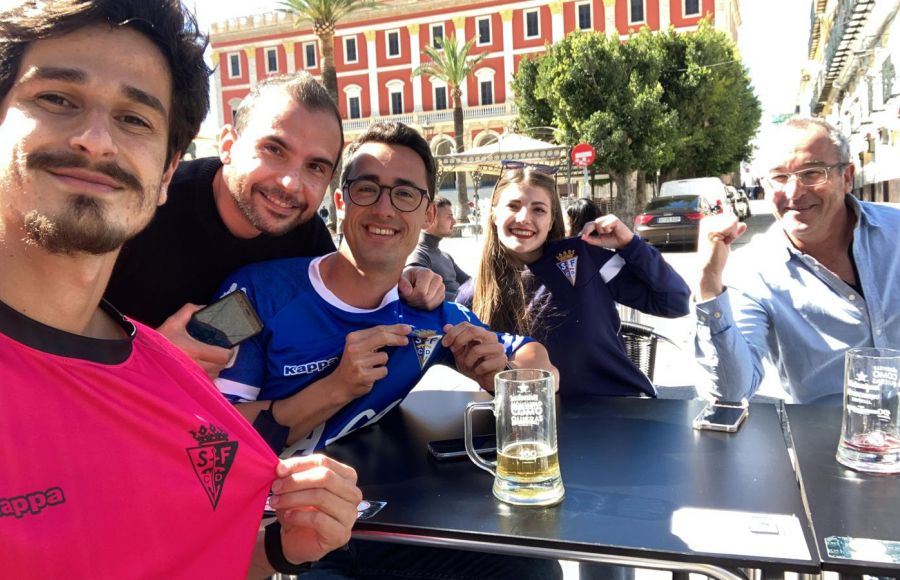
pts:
[641, 485]
[843, 502]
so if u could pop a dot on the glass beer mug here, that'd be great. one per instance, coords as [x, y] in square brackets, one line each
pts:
[870, 432]
[527, 468]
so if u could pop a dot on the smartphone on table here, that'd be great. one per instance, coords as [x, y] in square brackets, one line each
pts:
[227, 322]
[449, 449]
[726, 417]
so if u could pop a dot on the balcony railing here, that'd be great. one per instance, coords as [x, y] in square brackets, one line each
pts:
[431, 118]
[850, 16]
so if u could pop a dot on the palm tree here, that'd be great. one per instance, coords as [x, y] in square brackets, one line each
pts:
[324, 15]
[452, 64]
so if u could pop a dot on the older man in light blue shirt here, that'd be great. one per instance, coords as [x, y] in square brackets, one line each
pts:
[826, 281]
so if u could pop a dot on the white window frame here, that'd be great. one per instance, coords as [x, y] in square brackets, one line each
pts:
[347, 39]
[435, 85]
[266, 53]
[486, 75]
[695, 14]
[525, 13]
[590, 7]
[233, 105]
[478, 21]
[306, 63]
[232, 74]
[395, 86]
[443, 33]
[631, 20]
[387, 43]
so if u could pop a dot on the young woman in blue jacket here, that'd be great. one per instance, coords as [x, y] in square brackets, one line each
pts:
[563, 291]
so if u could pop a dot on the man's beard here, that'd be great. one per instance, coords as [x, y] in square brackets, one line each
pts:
[82, 227]
[253, 216]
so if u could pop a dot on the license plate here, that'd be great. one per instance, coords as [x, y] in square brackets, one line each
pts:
[668, 220]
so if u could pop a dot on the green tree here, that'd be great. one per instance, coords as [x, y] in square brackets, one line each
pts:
[453, 64]
[598, 90]
[705, 82]
[324, 16]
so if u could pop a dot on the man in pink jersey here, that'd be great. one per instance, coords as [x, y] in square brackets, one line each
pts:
[119, 458]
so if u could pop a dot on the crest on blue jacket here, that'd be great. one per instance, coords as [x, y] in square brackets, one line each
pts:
[567, 262]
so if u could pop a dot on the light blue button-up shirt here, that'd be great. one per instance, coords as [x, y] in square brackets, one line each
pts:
[788, 307]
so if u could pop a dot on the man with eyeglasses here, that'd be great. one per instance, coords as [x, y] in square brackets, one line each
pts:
[823, 282]
[339, 349]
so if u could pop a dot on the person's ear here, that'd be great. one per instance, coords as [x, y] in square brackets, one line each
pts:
[166, 180]
[226, 139]
[430, 214]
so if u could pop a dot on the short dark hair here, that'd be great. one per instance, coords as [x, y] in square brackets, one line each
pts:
[580, 212]
[303, 88]
[441, 201]
[166, 23]
[394, 133]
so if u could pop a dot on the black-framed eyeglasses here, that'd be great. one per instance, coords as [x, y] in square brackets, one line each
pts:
[364, 192]
[810, 177]
[511, 164]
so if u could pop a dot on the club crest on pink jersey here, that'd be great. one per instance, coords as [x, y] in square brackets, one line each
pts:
[212, 459]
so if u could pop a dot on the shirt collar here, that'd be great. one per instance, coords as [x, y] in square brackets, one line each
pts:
[53, 341]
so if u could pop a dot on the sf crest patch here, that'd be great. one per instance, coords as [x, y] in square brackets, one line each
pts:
[425, 342]
[567, 262]
[212, 459]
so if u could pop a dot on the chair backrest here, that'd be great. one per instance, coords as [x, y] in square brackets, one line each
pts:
[640, 345]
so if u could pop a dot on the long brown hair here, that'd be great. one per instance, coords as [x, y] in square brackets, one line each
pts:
[500, 299]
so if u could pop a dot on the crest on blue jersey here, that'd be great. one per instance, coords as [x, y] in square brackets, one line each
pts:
[425, 342]
[567, 262]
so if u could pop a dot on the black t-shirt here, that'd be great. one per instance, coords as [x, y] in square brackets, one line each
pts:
[186, 251]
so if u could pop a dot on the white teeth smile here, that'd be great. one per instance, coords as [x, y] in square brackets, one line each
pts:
[381, 231]
[523, 233]
[278, 202]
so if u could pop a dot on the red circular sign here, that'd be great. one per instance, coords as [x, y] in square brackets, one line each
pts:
[583, 154]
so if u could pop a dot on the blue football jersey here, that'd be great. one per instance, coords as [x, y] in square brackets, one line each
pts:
[304, 336]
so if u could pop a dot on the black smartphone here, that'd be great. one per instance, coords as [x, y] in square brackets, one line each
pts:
[447, 449]
[226, 322]
[718, 417]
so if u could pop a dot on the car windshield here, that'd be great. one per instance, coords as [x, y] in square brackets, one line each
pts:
[672, 203]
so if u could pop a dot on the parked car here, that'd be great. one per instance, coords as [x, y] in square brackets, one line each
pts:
[740, 203]
[673, 220]
[712, 189]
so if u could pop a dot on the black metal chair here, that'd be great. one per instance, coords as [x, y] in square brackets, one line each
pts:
[641, 342]
[640, 345]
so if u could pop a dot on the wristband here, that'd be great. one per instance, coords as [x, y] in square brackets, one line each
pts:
[275, 553]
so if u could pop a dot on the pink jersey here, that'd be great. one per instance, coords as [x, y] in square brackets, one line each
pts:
[120, 459]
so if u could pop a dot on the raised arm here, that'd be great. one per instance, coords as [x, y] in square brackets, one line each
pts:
[637, 275]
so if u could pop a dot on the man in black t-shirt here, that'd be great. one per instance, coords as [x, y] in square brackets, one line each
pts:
[257, 201]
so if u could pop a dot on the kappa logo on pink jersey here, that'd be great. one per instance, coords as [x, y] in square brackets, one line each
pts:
[212, 459]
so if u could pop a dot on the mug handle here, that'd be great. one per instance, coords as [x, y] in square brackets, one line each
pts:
[478, 460]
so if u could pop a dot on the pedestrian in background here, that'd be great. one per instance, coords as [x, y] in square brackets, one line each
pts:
[429, 255]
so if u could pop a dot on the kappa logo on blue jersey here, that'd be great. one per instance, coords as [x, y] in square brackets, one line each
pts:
[309, 368]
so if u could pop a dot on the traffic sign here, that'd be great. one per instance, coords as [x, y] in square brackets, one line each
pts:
[583, 154]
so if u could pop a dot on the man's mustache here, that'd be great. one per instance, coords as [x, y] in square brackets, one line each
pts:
[49, 160]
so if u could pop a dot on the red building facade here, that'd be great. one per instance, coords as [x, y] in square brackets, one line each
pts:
[375, 52]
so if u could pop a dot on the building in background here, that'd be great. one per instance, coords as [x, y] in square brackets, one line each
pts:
[851, 80]
[376, 51]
